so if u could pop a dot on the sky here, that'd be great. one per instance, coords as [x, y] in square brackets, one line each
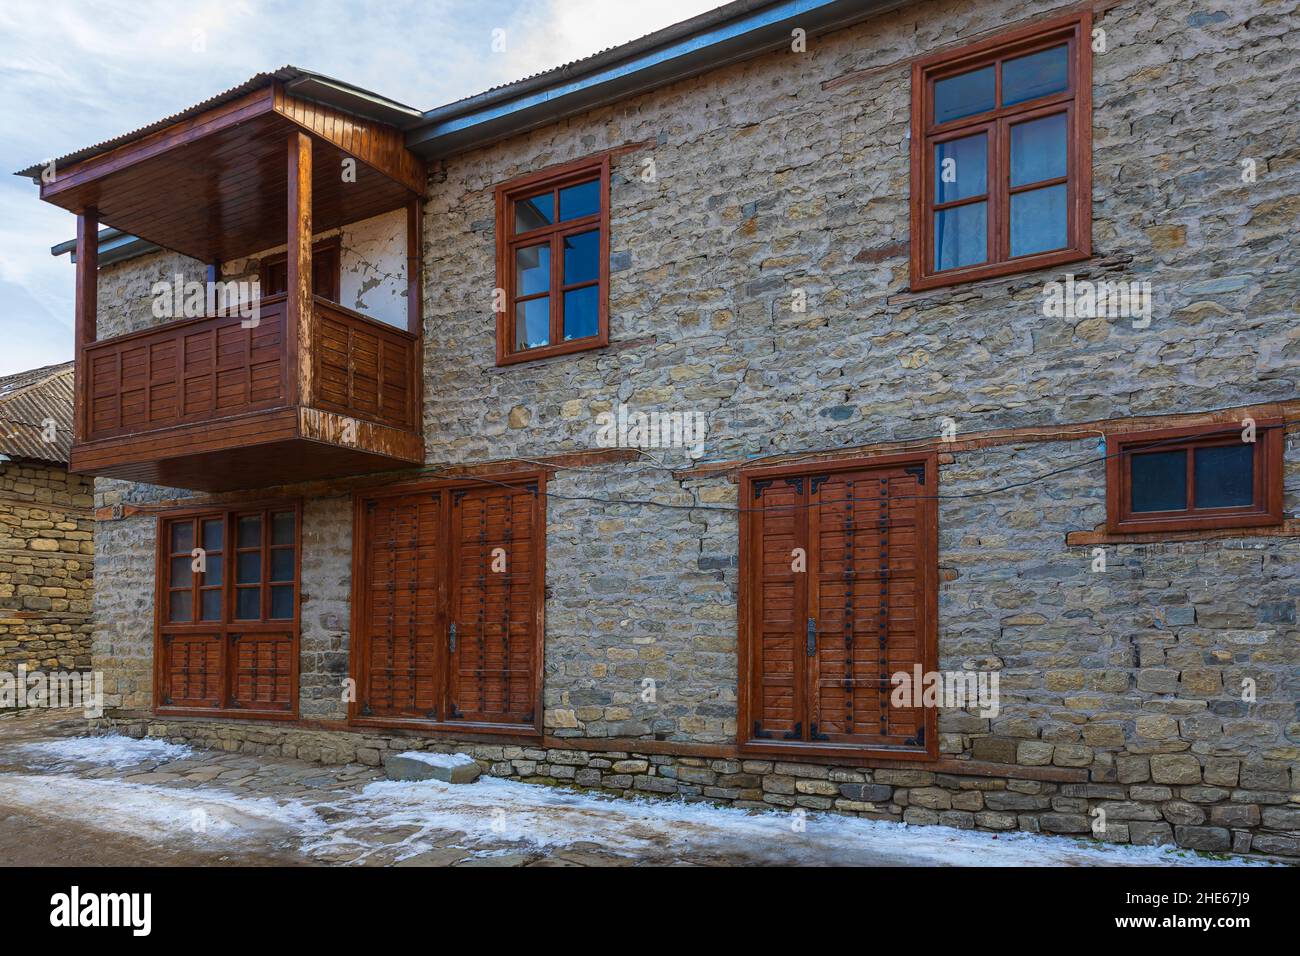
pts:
[76, 72]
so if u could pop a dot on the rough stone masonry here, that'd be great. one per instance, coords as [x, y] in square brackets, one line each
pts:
[1121, 691]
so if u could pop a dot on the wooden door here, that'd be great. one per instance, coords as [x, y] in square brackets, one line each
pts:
[495, 601]
[402, 619]
[840, 576]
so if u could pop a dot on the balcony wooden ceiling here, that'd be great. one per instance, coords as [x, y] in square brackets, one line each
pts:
[215, 186]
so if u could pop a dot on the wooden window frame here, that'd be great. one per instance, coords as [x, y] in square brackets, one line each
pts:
[332, 245]
[507, 193]
[747, 744]
[1265, 509]
[1075, 101]
[229, 625]
[454, 729]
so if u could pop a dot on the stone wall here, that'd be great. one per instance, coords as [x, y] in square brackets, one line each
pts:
[1126, 686]
[46, 567]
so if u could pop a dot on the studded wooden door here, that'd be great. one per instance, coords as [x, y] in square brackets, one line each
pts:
[841, 580]
[494, 602]
[402, 617]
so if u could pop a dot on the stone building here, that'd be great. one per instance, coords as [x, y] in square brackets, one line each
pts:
[987, 310]
[46, 527]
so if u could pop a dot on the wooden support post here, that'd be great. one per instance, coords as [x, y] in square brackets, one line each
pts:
[299, 310]
[415, 303]
[85, 314]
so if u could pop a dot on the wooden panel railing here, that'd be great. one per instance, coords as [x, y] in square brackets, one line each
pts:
[364, 368]
[186, 372]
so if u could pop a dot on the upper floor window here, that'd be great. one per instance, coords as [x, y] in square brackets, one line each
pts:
[553, 262]
[1188, 479]
[1001, 155]
[325, 271]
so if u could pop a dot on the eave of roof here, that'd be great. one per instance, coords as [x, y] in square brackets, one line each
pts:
[28, 402]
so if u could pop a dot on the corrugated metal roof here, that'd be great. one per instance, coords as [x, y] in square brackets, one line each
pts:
[29, 402]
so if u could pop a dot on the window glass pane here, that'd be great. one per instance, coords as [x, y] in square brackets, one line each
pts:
[282, 528]
[212, 535]
[1038, 220]
[581, 313]
[1038, 150]
[180, 606]
[1035, 75]
[1225, 476]
[532, 270]
[535, 212]
[183, 537]
[182, 572]
[282, 602]
[1159, 481]
[961, 168]
[960, 236]
[963, 95]
[250, 531]
[211, 605]
[533, 323]
[249, 569]
[580, 200]
[213, 575]
[582, 257]
[282, 564]
[248, 604]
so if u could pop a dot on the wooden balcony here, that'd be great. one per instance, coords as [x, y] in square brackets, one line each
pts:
[310, 391]
[211, 405]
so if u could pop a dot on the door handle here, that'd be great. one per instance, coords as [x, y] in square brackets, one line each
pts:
[812, 637]
[452, 639]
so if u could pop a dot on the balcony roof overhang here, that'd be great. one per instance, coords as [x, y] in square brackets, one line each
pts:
[212, 183]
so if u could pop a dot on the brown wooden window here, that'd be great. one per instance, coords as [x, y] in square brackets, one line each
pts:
[1189, 479]
[839, 582]
[325, 271]
[553, 262]
[1002, 155]
[227, 616]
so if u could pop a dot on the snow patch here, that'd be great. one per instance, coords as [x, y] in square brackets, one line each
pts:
[112, 750]
[445, 761]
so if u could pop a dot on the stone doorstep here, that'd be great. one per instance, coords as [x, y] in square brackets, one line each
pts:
[661, 775]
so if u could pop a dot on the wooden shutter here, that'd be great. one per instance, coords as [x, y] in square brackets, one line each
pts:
[823, 643]
[191, 670]
[495, 601]
[402, 619]
[263, 671]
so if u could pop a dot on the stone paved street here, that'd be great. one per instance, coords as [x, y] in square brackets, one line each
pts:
[66, 798]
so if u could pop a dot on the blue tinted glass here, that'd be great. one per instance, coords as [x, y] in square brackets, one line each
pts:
[532, 270]
[961, 168]
[960, 236]
[212, 535]
[581, 313]
[582, 258]
[248, 570]
[535, 212]
[1159, 481]
[1038, 150]
[282, 602]
[250, 531]
[1225, 476]
[213, 574]
[182, 537]
[180, 606]
[282, 527]
[182, 572]
[533, 323]
[282, 564]
[248, 604]
[211, 605]
[963, 95]
[580, 200]
[1038, 220]
[1029, 77]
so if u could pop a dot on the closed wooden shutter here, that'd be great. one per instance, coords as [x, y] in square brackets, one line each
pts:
[495, 602]
[402, 619]
[824, 644]
[263, 671]
[191, 671]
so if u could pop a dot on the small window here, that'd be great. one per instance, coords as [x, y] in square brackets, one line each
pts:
[1001, 150]
[552, 262]
[325, 272]
[1182, 480]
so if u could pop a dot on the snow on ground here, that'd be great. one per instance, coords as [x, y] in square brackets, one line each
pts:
[493, 811]
[446, 761]
[111, 750]
[159, 813]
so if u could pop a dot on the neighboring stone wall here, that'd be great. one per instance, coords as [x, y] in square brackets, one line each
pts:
[46, 567]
